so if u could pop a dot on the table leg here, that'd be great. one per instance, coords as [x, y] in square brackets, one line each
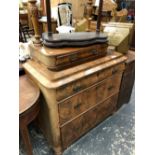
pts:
[26, 140]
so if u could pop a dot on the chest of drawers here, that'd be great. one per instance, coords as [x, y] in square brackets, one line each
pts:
[78, 98]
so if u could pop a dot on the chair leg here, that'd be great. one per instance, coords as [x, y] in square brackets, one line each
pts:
[26, 139]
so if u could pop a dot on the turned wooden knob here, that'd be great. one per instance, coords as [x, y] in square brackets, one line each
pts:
[34, 17]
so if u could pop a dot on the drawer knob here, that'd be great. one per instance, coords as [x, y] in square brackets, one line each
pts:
[94, 52]
[73, 57]
[76, 89]
[114, 71]
[77, 106]
[110, 88]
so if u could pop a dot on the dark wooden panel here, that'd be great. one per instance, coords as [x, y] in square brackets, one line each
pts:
[127, 80]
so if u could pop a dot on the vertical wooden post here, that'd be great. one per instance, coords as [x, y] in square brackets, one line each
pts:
[34, 17]
[48, 12]
[99, 16]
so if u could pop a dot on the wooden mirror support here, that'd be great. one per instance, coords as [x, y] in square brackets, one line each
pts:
[62, 40]
[34, 17]
[99, 16]
[48, 12]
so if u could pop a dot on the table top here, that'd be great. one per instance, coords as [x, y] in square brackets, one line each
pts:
[28, 93]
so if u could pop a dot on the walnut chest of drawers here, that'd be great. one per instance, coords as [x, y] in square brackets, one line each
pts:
[78, 98]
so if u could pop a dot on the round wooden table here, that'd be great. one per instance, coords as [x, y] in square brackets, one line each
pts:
[28, 108]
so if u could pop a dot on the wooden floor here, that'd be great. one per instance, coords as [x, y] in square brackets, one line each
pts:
[114, 136]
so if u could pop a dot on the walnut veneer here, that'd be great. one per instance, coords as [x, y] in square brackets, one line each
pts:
[77, 98]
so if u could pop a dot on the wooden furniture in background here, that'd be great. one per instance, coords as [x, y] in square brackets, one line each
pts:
[43, 24]
[23, 17]
[127, 79]
[25, 33]
[121, 35]
[28, 108]
[78, 98]
[33, 9]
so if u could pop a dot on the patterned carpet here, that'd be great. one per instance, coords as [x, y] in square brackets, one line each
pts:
[114, 136]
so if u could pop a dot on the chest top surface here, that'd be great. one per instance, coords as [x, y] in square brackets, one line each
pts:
[53, 79]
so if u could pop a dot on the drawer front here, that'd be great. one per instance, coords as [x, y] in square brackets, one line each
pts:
[109, 87]
[74, 87]
[76, 128]
[76, 105]
[81, 102]
[86, 53]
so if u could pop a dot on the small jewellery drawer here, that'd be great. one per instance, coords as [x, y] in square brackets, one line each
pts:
[83, 55]
[84, 100]
[74, 87]
[76, 128]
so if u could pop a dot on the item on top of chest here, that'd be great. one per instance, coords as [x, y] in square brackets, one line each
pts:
[76, 48]
[65, 39]
[78, 39]
[62, 58]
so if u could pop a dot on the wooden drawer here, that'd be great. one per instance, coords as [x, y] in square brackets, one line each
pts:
[74, 87]
[84, 100]
[108, 87]
[76, 128]
[80, 56]
[111, 71]
[76, 105]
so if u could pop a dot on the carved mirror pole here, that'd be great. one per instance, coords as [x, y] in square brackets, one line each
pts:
[48, 12]
[34, 17]
[99, 16]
